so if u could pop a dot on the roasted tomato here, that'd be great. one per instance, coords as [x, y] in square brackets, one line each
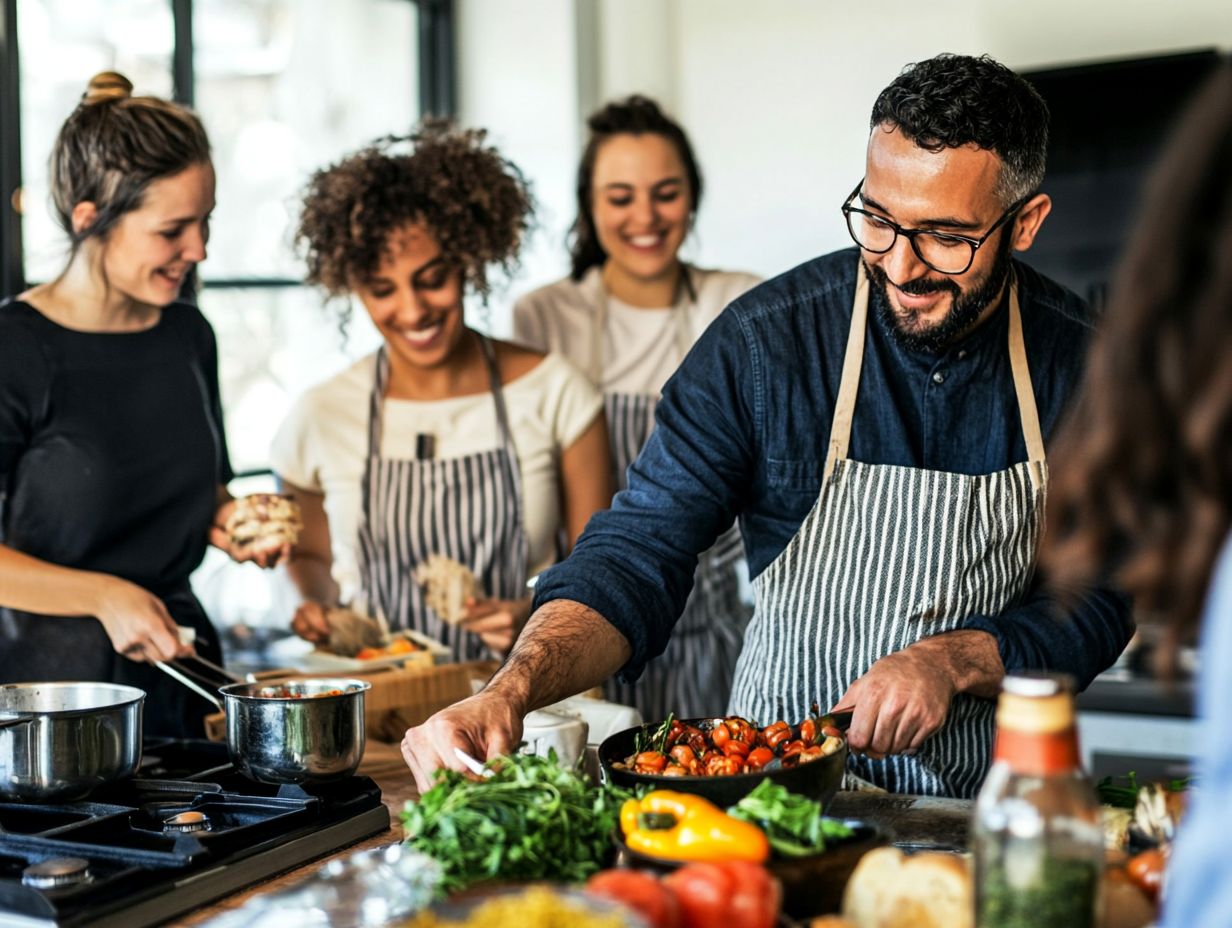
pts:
[758, 758]
[1147, 870]
[640, 892]
[649, 762]
[734, 895]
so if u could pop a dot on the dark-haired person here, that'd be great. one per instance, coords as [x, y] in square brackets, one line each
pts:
[876, 419]
[1146, 485]
[629, 311]
[112, 452]
[443, 442]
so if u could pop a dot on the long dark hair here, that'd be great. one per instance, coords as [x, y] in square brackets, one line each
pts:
[1143, 490]
[635, 115]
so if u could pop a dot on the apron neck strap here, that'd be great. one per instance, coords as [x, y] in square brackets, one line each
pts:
[849, 385]
[382, 379]
[853, 361]
[498, 392]
[1027, 409]
[686, 296]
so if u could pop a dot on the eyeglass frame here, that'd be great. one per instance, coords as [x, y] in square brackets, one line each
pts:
[910, 234]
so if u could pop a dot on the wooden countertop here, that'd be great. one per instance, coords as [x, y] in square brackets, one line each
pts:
[382, 762]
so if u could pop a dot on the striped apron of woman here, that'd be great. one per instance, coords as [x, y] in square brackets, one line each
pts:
[466, 508]
[887, 556]
[693, 676]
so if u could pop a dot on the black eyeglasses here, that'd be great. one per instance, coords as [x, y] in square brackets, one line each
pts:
[944, 252]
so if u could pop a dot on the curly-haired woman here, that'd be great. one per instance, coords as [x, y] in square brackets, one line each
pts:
[632, 309]
[443, 442]
[1145, 464]
[113, 458]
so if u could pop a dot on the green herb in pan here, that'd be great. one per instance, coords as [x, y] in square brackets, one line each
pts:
[793, 824]
[532, 820]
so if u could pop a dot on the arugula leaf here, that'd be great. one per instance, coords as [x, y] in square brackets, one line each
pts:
[532, 820]
[1120, 797]
[793, 824]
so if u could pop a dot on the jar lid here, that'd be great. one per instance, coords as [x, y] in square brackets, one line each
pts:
[1033, 684]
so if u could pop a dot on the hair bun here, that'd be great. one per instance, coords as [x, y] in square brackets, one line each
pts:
[107, 85]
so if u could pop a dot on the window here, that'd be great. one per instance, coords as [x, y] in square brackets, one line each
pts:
[284, 87]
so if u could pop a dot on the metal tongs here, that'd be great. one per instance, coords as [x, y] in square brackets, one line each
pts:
[203, 678]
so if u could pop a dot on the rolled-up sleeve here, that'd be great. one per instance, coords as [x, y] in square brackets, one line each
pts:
[635, 562]
[1080, 635]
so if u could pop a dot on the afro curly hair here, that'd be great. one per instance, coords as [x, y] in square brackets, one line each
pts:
[474, 202]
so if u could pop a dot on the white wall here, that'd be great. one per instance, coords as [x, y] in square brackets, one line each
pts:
[775, 95]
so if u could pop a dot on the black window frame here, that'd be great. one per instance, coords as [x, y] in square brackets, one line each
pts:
[436, 44]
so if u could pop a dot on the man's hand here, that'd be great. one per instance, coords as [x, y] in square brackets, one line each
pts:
[906, 696]
[484, 726]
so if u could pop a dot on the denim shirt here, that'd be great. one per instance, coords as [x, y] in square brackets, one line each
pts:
[742, 431]
[1199, 889]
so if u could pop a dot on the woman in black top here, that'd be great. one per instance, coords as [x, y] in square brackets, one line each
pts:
[113, 462]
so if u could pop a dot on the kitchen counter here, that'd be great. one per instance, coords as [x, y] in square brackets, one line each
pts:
[918, 822]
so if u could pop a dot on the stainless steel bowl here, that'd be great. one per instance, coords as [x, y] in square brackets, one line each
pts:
[303, 737]
[59, 741]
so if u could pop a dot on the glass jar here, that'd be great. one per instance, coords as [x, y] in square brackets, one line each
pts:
[1037, 837]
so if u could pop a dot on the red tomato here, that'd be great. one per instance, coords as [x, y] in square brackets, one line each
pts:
[1147, 870]
[641, 892]
[732, 894]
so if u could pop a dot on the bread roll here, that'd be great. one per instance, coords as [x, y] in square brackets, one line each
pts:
[263, 522]
[350, 632]
[447, 586]
[889, 889]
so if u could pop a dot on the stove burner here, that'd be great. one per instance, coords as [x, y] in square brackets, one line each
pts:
[56, 871]
[187, 822]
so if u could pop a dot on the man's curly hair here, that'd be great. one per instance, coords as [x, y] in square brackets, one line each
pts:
[474, 202]
[955, 100]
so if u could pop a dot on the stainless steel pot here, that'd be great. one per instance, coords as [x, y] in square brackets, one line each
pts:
[59, 741]
[303, 737]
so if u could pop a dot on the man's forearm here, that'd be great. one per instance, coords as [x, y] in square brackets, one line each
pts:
[970, 658]
[565, 648]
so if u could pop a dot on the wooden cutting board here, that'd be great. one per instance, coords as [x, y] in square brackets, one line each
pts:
[925, 822]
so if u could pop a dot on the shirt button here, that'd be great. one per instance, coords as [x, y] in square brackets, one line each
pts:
[939, 377]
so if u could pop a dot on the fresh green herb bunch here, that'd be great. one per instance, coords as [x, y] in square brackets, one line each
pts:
[793, 824]
[533, 820]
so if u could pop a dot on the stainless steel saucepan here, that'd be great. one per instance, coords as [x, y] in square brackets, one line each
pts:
[59, 741]
[298, 731]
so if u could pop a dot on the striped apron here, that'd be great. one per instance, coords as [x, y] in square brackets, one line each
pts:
[693, 676]
[466, 508]
[889, 555]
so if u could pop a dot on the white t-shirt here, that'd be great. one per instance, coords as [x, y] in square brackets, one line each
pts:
[322, 444]
[640, 349]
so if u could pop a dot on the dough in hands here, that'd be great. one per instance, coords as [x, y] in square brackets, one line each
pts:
[447, 586]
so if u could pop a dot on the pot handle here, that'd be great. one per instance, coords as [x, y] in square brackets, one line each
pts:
[176, 674]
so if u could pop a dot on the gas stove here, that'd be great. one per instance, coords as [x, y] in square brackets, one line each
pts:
[187, 830]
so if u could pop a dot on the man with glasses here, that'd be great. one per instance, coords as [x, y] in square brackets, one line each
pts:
[887, 468]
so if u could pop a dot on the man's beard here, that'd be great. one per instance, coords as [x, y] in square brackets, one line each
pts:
[965, 308]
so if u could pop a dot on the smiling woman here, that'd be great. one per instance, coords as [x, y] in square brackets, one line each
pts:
[633, 309]
[444, 443]
[111, 450]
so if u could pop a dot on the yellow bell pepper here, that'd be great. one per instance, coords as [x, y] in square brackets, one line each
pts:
[681, 826]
